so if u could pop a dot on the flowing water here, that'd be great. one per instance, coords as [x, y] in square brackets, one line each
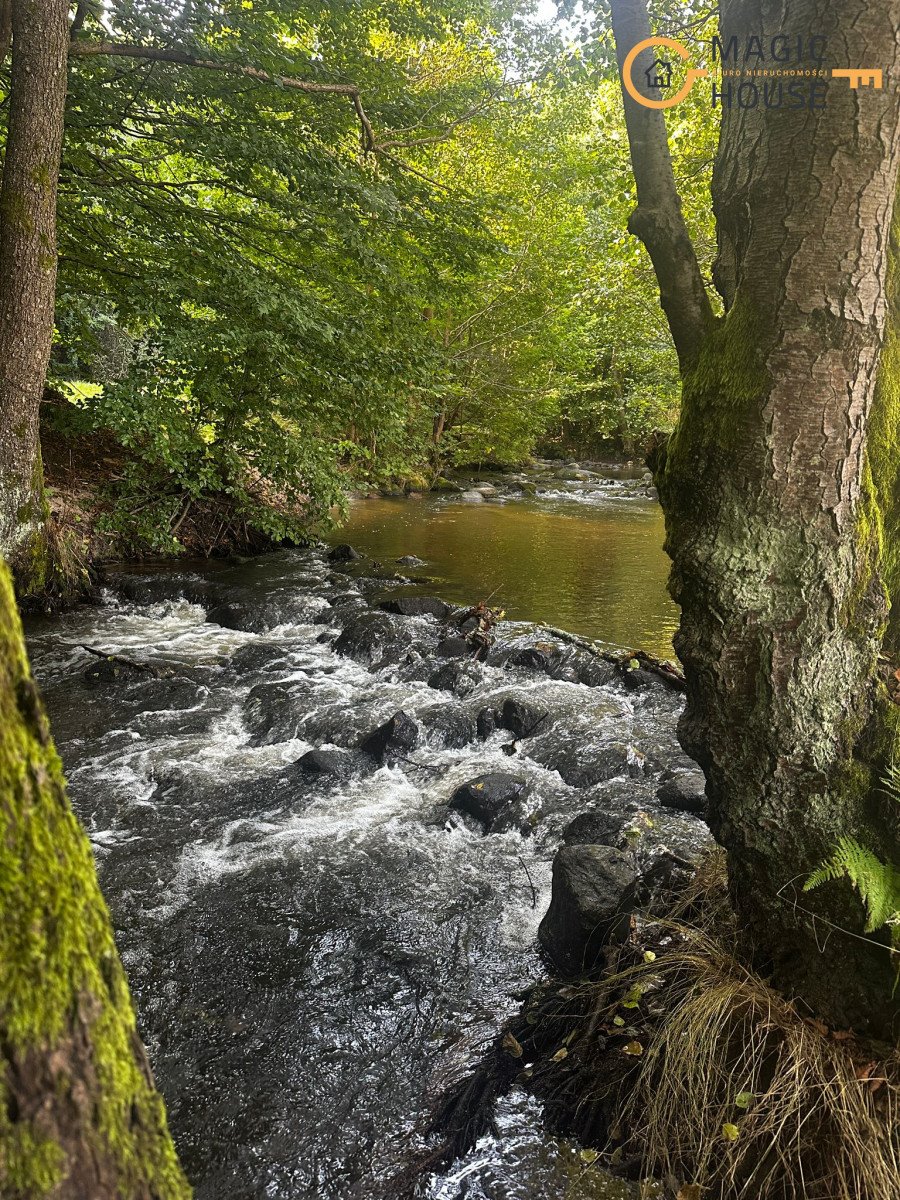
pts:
[314, 957]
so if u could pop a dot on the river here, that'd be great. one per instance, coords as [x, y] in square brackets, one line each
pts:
[314, 956]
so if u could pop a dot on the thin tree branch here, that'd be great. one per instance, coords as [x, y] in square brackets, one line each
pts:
[83, 49]
[81, 12]
[658, 220]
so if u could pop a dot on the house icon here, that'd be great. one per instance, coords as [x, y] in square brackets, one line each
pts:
[659, 74]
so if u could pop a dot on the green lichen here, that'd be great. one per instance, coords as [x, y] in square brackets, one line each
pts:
[60, 972]
[880, 514]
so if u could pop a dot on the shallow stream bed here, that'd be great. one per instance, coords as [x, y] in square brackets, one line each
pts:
[315, 953]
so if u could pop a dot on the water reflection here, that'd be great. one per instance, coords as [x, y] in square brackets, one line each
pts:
[597, 569]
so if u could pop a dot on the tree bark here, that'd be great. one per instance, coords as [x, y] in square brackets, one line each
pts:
[79, 1114]
[778, 485]
[28, 276]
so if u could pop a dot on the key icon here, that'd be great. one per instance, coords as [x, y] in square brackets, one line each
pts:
[858, 78]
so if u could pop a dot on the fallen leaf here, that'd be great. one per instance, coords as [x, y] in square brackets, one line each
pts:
[649, 956]
[618, 1020]
[730, 1133]
[589, 1156]
[743, 1099]
[512, 1046]
[634, 1048]
[561, 1053]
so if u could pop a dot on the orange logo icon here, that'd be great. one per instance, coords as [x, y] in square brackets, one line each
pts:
[657, 80]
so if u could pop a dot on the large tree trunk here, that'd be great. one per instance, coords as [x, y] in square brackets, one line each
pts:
[80, 1118]
[777, 486]
[28, 276]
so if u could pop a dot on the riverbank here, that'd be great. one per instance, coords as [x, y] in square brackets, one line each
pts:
[92, 525]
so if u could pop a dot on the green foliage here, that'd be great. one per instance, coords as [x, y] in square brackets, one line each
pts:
[877, 883]
[267, 314]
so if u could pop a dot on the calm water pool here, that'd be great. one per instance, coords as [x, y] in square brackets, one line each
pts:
[588, 559]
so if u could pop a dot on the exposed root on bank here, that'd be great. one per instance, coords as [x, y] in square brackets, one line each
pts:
[681, 1064]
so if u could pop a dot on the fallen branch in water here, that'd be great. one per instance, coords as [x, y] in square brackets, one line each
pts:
[156, 672]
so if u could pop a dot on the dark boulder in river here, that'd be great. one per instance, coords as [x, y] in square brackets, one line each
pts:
[491, 799]
[335, 764]
[455, 676]
[590, 906]
[417, 606]
[454, 647]
[394, 739]
[685, 792]
[522, 720]
[374, 638]
[343, 553]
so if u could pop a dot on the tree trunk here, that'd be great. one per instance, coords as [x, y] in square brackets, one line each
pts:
[28, 276]
[79, 1114]
[777, 485]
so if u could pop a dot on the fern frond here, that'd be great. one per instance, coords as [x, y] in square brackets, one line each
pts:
[878, 883]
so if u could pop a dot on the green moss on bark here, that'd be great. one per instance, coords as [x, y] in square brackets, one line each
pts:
[65, 1011]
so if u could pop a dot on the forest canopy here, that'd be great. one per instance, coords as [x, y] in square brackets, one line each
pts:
[273, 294]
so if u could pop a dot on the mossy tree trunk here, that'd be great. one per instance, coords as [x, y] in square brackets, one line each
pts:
[778, 485]
[40, 38]
[80, 1118]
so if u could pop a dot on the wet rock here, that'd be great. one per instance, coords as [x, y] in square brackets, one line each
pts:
[488, 722]
[449, 725]
[459, 677]
[582, 765]
[522, 720]
[275, 712]
[530, 658]
[597, 829]
[251, 616]
[335, 764]
[590, 907]
[347, 600]
[114, 670]
[664, 878]
[343, 553]
[491, 799]
[157, 588]
[417, 606]
[394, 739]
[237, 615]
[410, 560]
[454, 647]
[587, 668]
[471, 497]
[257, 656]
[374, 638]
[639, 678]
[686, 793]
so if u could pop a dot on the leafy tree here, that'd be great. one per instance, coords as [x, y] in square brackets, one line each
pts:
[779, 486]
